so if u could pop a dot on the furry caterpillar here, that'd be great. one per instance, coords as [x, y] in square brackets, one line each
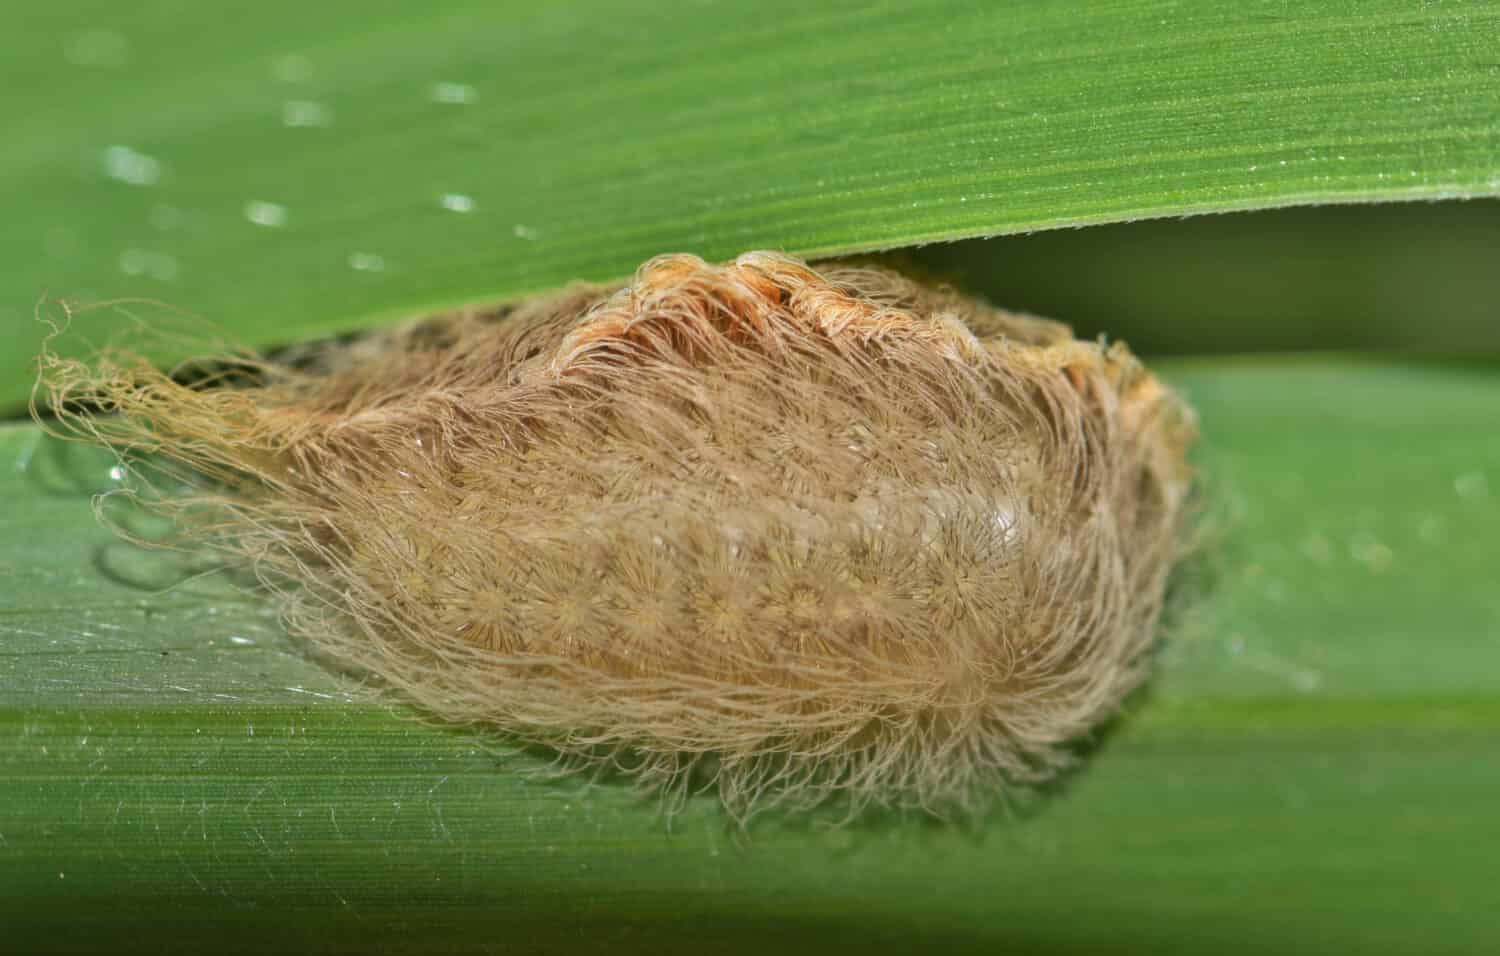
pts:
[790, 532]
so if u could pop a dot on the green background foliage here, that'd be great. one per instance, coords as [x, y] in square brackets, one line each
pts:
[1313, 767]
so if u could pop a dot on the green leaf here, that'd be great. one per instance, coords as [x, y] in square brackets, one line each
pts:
[1314, 766]
[282, 169]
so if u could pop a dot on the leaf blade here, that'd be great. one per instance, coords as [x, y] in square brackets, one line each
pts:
[284, 190]
[1242, 806]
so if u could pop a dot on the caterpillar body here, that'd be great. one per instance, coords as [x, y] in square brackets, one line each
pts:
[790, 532]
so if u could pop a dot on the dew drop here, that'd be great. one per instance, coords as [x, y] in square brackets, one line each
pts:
[461, 94]
[262, 213]
[1472, 485]
[306, 113]
[241, 640]
[133, 262]
[366, 262]
[160, 266]
[525, 232]
[1306, 681]
[128, 166]
[457, 202]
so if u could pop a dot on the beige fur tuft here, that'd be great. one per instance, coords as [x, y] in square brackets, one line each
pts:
[810, 533]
